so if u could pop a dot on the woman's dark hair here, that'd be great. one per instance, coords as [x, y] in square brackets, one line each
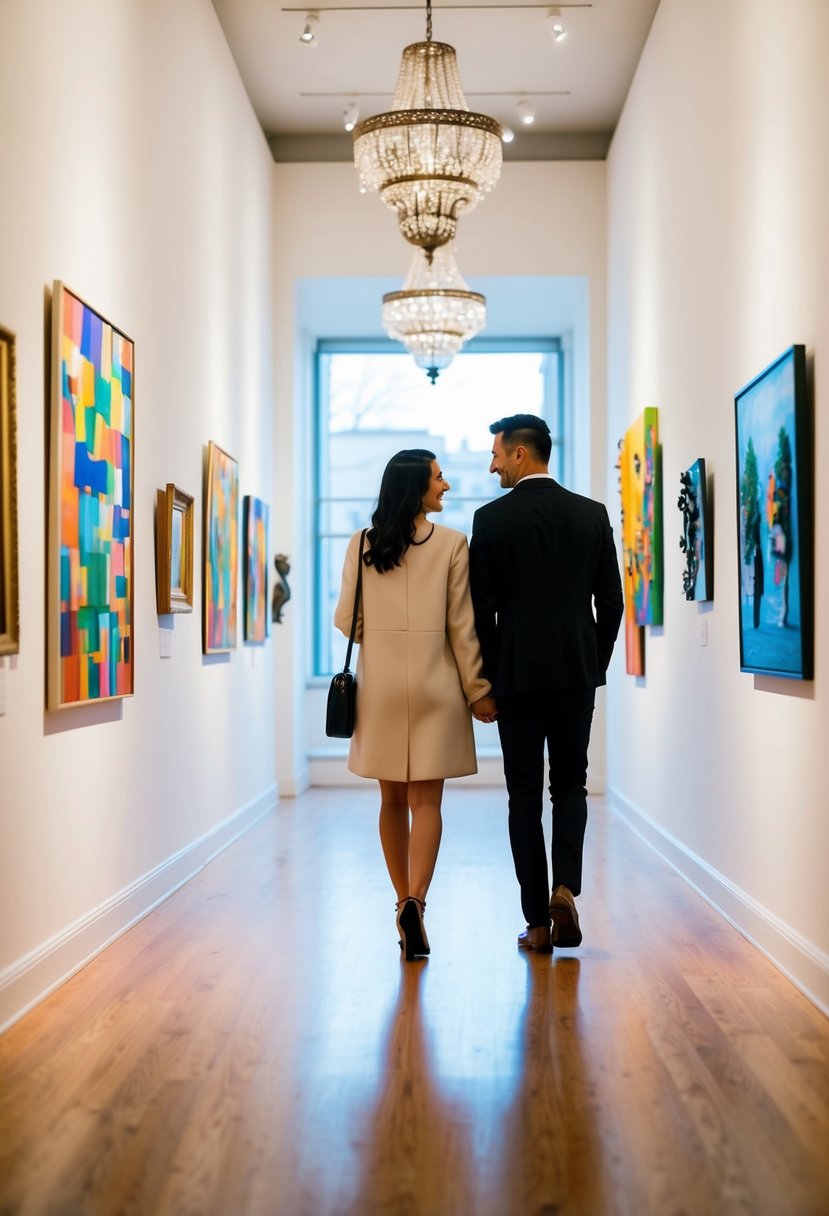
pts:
[405, 481]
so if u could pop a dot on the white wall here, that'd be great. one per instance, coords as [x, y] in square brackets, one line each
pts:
[718, 259]
[542, 219]
[134, 170]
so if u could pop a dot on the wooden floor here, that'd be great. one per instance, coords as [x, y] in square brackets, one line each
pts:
[257, 1046]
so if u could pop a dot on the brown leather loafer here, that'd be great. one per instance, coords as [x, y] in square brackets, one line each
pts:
[537, 938]
[566, 931]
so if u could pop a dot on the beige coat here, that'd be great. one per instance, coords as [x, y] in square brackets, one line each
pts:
[419, 664]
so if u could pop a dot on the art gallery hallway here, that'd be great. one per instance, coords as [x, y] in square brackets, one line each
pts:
[256, 1045]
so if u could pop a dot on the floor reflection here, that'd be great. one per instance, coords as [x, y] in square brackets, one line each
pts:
[520, 1138]
[414, 1145]
[550, 1159]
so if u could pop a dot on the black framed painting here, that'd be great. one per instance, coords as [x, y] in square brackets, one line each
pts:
[695, 542]
[774, 520]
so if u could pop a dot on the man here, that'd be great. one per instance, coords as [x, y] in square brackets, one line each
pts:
[540, 559]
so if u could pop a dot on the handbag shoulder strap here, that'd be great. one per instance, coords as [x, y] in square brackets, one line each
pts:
[357, 594]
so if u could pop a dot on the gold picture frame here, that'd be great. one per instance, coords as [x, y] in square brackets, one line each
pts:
[174, 531]
[9, 608]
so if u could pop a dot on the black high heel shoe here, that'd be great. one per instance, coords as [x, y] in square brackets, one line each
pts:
[413, 940]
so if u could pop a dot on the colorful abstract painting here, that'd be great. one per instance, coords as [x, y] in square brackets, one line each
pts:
[221, 551]
[634, 634]
[256, 569]
[774, 521]
[641, 477]
[91, 553]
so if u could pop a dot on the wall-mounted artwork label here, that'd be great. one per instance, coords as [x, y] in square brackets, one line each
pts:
[774, 520]
[256, 515]
[221, 551]
[91, 650]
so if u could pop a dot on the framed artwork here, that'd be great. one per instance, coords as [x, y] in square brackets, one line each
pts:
[174, 550]
[221, 551]
[256, 514]
[9, 619]
[774, 520]
[695, 542]
[640, 485]
[91, 549]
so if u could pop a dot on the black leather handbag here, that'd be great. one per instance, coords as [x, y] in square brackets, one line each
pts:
[341, 709]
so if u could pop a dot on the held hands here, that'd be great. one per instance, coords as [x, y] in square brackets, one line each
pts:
[484, 709]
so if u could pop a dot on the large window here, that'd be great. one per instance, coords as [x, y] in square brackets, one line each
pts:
[372, 401]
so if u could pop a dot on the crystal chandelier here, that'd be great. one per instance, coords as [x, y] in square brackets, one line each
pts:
[430, 157]
[435, 313]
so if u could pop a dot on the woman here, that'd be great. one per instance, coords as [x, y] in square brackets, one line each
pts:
[418, 673]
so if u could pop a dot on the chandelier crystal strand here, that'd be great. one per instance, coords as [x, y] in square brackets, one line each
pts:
[430, 157]
[435, 313]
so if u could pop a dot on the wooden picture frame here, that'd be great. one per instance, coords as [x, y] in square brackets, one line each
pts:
[9, 593]
[90, 628]
[775, 560]
[174, 532]
[221, 551]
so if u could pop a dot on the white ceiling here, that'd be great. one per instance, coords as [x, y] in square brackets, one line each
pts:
[505, 53]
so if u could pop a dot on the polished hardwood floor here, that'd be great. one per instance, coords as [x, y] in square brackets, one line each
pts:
[256, 1046]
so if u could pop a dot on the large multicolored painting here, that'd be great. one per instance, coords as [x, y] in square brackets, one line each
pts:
[221, 551]
[695, 542]
[774, 521]
[9, 621]
[91, 651]
[256, 515]
[640, 469]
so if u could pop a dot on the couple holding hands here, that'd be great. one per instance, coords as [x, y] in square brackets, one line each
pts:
[519, 627]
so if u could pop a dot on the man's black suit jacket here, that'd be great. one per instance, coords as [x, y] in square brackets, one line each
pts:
[540, 558]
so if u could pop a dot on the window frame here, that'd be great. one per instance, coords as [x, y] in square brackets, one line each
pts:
[554, 392]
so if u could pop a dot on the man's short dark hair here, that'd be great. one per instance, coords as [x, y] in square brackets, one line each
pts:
[526, 429]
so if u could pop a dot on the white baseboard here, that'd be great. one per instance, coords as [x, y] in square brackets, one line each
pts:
[30, 979]
[799, 959]
[291, 785]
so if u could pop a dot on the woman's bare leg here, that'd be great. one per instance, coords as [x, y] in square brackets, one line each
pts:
[424, 798]
[394, 833]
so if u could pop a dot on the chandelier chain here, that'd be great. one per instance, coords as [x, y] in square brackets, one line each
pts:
[428, 20]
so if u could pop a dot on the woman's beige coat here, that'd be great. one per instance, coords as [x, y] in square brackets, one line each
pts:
[419, 665]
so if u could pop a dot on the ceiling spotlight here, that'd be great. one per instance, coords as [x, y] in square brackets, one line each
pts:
[350, 116]
[526, 113]
[556, 25]
[507, 134]
[309, 33]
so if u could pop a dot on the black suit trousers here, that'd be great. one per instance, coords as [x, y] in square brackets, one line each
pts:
[561, 719]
